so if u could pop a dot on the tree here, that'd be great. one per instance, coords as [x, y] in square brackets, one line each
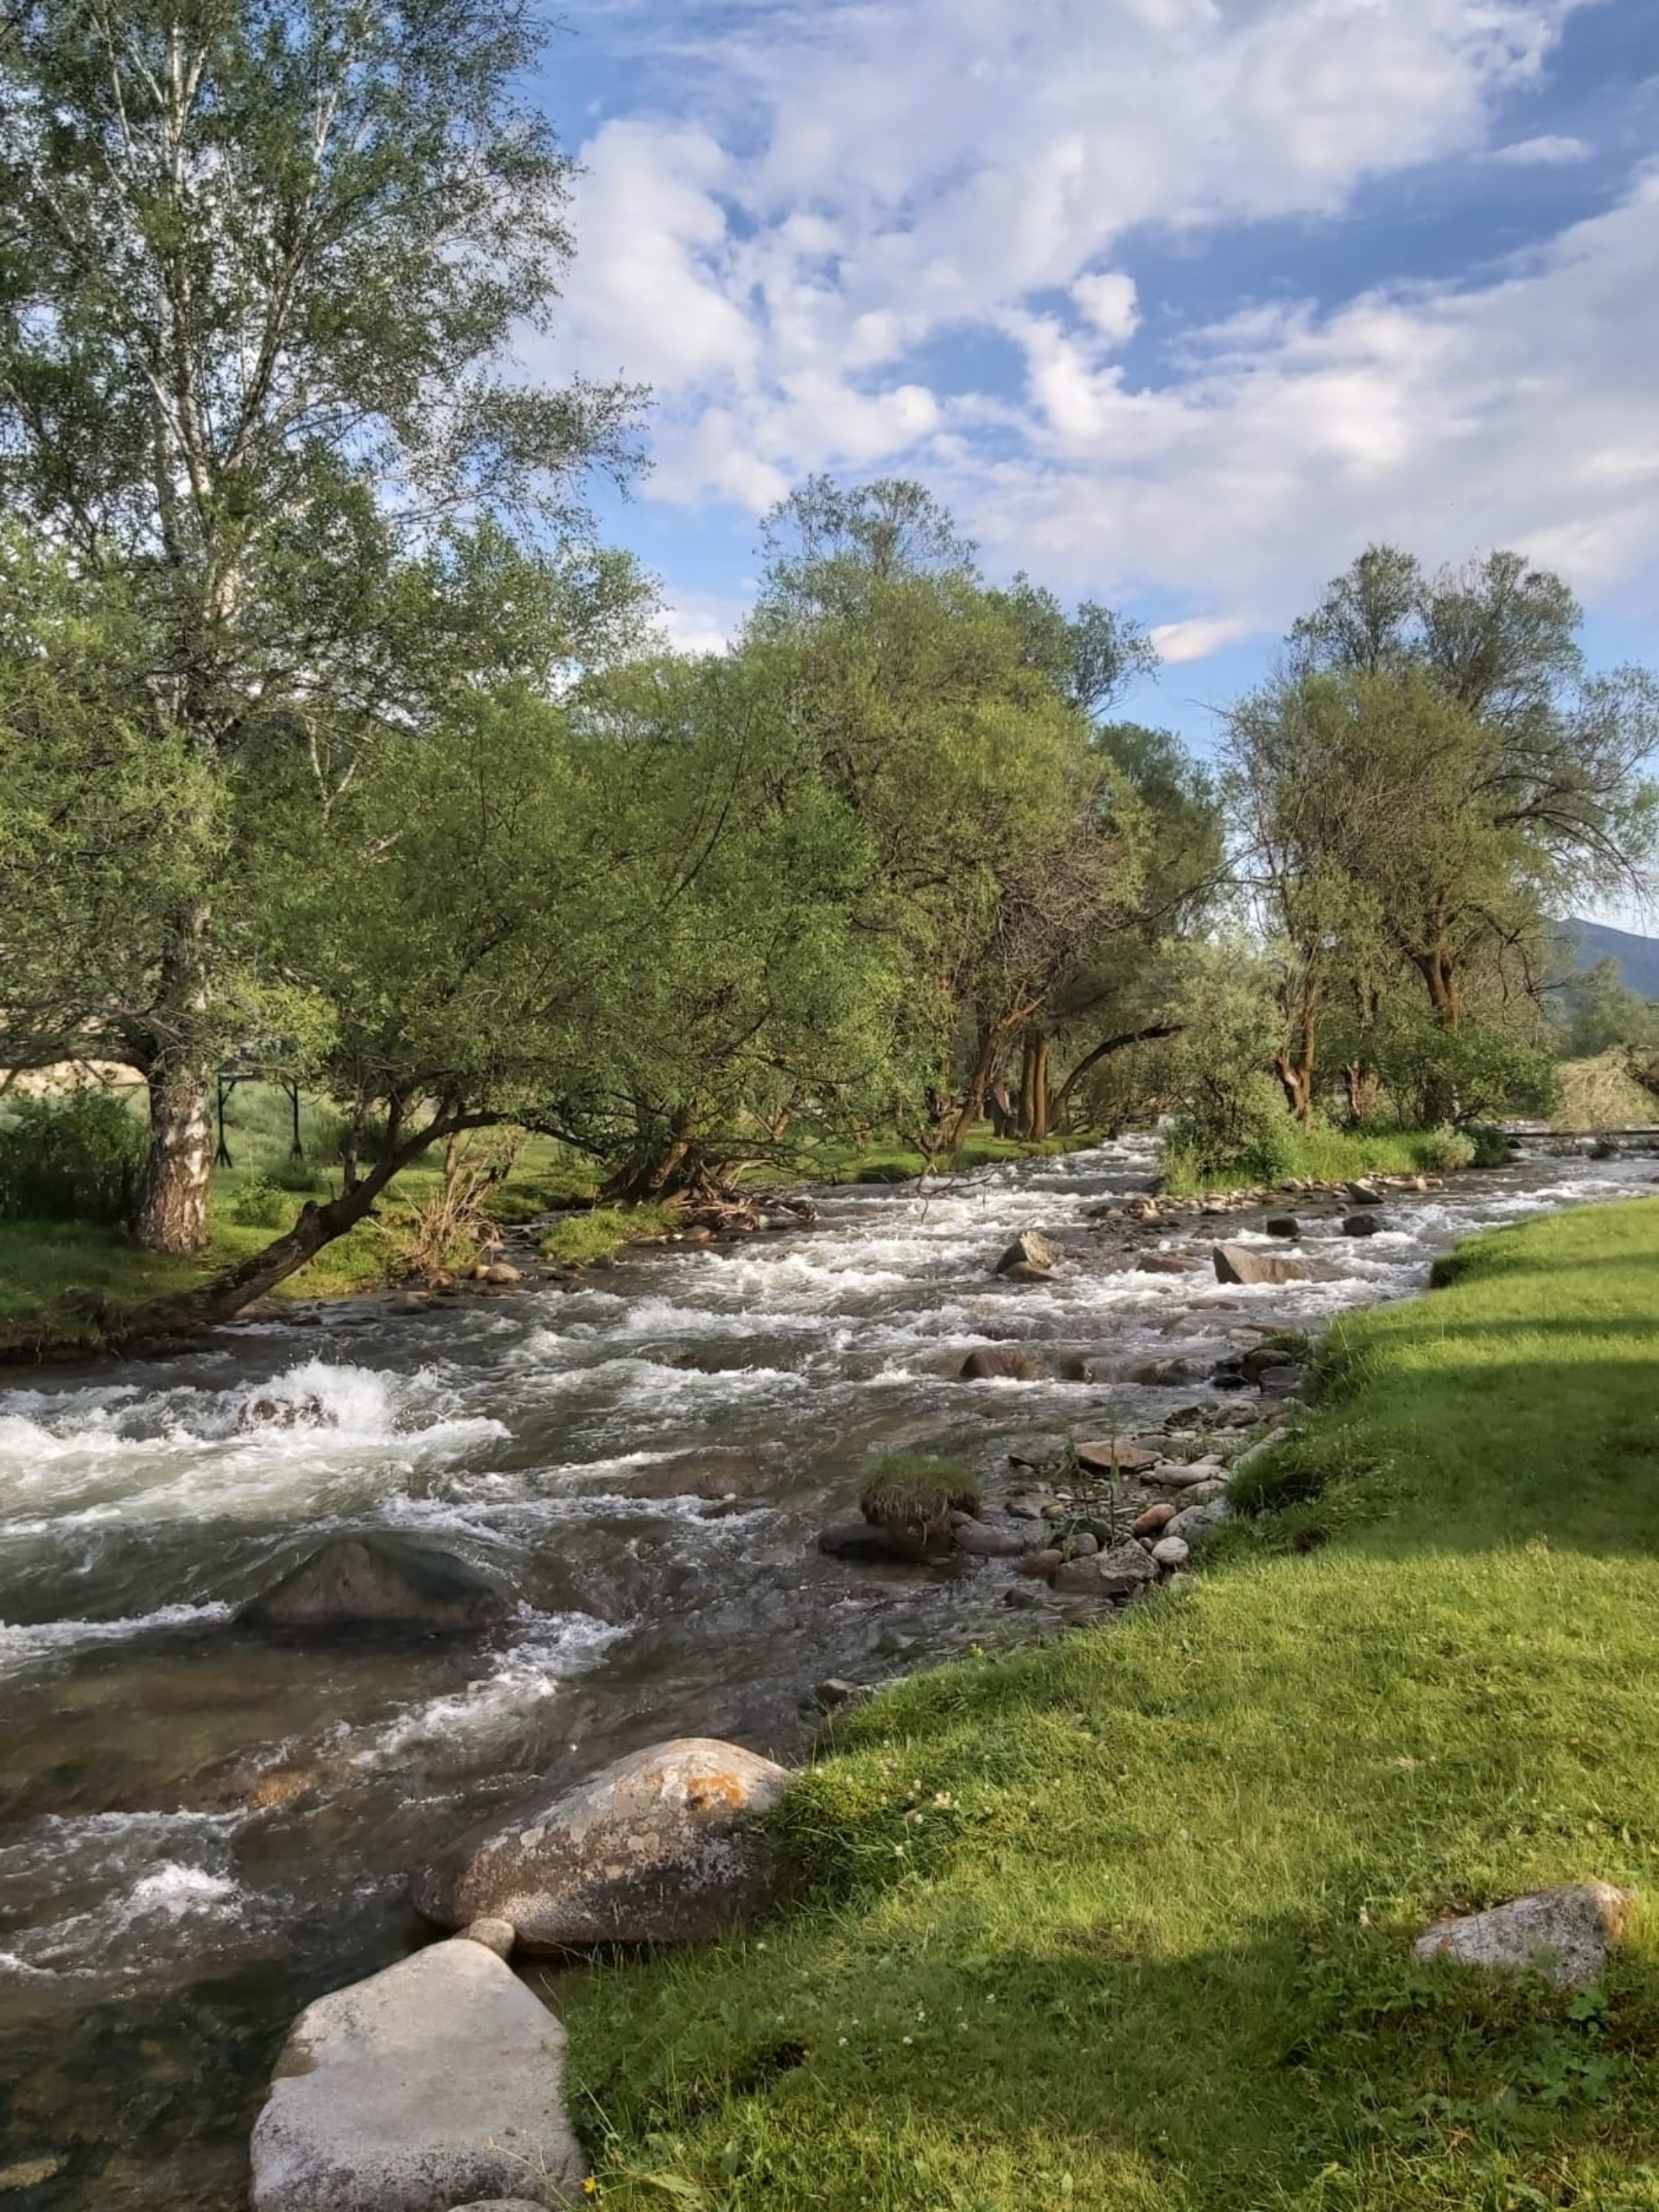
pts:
[259, 266]
[952, 720]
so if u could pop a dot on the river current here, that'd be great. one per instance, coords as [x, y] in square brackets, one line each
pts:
[200, 1830]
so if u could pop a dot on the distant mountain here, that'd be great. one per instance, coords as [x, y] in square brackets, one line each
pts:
[1591, 942]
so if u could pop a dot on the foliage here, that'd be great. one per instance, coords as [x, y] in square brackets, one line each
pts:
[1597, 1012]
[262, 1203]
[1036, 1885]
[911, 1494]
[599, 1233]
[75, 1157]
[1462, 1075]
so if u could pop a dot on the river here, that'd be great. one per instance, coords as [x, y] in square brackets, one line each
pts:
[200, 1830]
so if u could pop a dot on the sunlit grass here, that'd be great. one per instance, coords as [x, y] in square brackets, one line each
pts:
[1126, 1921]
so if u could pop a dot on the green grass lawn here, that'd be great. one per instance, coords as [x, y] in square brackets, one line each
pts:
[1125, 1922]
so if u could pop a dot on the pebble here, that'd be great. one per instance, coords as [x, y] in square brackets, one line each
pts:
[1154, 1518]
[1171, 1552]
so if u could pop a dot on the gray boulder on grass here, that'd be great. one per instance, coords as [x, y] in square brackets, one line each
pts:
[659, 1847]
[380, 1580]
[1567, 1933]
[437, 2082]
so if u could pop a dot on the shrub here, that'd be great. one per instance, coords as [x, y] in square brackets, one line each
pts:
[1491, 1145]
[910, 1495]
[262, 1203]
[1243, 1134]
[300, 1175]
[79, 1158]
[1443, 1151]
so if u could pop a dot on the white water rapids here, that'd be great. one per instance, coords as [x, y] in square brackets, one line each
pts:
[200, 1829]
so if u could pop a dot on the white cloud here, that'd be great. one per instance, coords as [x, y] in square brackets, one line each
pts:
[1550, 152]
[851, 188]
[1197, 639]
[1108, 302]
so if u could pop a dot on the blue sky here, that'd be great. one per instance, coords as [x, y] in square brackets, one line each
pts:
[1176, 303]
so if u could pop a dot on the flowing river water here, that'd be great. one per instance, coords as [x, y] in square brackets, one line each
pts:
[200, 1830]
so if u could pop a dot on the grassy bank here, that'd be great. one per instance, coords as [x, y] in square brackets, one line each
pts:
[1126, 1921]
[1324, 1155]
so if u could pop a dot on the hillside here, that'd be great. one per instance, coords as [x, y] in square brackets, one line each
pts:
[1638, 957]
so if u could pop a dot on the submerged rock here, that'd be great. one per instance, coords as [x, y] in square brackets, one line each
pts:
[267, 1410]
[659, 1847]
[1002, 1362]
[379, 1580]
[1564, 1933]
[1364, 1224]
[1283, 1224]
[993, 1543]
[869, 1540]
[437, 2082]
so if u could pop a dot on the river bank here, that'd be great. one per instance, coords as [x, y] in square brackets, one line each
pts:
[1127, 1922]
[199, 1832]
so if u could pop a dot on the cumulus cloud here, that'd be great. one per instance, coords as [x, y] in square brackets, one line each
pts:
[1548, 152]
[847, 197]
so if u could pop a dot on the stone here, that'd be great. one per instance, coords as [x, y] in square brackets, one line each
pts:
[657, 1848]
[433, 2083]
[1201, 1493]
[28, 2173]
[1002, 1362]
[1029, 1249]
[1116, 1453]
[375, 1580]
[1255, 1363]
[1565, 1933]
[1364, 1225]
[1114, 1573]
[1026, 1508]
[1154, 1518]
[868, 1539]
[1197, 1521]
[502, 1271]
[1161, 1263]
[495, 1935]
[1364, 1194]
[1046, 1563]
[1173, 1476]
[992, 1543]
[1026, 1271]
[504, 2204]
[1083, 1545]
[1023, 1593]
[831, 1695]
[1284, 1382]
[1282, 1224]
[1242, 1263]
[1170, 1552]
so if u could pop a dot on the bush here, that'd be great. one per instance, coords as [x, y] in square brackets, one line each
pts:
[299, 1175]
[1242, 1134]
[262, 1203]
[910, 1495]
[1491, 1145]
[80, 1158]
[1442, 1152]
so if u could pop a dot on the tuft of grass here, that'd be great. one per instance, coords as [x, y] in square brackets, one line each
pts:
[600, 1233]
[1125, 1921]
[912, 1496]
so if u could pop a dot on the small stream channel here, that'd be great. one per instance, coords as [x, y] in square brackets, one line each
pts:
[199, 1831]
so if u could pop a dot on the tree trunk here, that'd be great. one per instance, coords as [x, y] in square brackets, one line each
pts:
[172, 1213]
[223, 1297]
[1005, 1116]
[1151, 1035]
[1036, 1099]
[1296, 1077]
[1363, 1086]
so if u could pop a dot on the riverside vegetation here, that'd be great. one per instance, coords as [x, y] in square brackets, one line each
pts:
[1127, 1921]
[401, 795]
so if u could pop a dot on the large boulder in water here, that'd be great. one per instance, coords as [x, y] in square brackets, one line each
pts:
[436, 2082]
[659, 1847]
[1245, 1263]
[1029, 1250]
[379, 1580]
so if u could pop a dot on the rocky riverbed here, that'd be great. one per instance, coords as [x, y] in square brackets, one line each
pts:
[204, 1825]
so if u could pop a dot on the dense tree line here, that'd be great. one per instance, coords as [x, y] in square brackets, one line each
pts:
[330, 731]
